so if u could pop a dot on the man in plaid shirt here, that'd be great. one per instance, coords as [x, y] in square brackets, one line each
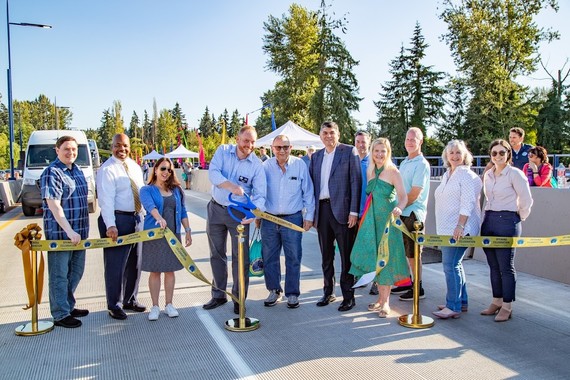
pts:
[66, 217]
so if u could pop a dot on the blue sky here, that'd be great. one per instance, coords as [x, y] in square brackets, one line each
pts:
[203, 53]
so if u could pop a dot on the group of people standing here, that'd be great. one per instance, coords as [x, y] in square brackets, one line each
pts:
[125, 201]
[349, 194]
[325, 194]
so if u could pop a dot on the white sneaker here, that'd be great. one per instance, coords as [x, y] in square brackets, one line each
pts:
[171, 311]
[154, 313]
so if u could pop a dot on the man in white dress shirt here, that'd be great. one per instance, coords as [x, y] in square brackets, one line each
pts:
[118, 182]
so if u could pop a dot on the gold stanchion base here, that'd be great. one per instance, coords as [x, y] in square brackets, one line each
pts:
[248, 324]
[27, 329]
[421, 322]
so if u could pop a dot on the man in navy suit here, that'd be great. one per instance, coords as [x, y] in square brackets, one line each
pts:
[337, 180]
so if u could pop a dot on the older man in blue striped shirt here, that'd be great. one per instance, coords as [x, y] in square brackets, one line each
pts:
[290, 197]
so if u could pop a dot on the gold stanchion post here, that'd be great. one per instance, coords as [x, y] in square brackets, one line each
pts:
[416, 320]
[34, 327]
[242, 323]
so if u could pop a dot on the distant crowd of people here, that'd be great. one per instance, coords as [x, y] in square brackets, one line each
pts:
[349, 194]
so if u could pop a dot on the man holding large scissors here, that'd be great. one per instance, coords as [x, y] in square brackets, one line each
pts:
[237, 170]
[289, 191]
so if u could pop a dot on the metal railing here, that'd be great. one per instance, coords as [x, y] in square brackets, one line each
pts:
[479, 162]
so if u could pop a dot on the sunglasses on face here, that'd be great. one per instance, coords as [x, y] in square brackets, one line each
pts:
[501, 152]
[530, 154]
[163, 168]
[284, 147]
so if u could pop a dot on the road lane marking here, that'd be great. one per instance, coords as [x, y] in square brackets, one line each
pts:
[10, 221]
[226, 347]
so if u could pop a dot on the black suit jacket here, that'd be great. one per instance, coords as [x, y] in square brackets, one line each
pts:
[345, 182]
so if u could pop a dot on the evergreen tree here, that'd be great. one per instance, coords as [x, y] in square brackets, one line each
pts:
[179, 117]
[393, 106]
[106, 131]
[235, 124]
[552, 129]
[134, 129]
[427, 96]
[154, 124]
[206, 124]
[147, 130]
[413, 97]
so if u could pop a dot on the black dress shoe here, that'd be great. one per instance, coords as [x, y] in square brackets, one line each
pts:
[325, 300]
[68, 322]
[117, 313]
[214, 303]
[347, 305]
[134, 307]
[76, 313]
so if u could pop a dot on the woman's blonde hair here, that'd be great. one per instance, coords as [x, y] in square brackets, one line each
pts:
[387, 163]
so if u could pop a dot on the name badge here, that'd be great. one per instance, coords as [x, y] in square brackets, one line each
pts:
[243, 179]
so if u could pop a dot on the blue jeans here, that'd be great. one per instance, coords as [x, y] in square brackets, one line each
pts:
[65, 269]
[502, 260]
[273, 238]
[456, 296]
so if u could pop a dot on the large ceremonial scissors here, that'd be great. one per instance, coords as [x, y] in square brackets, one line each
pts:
[251, 211]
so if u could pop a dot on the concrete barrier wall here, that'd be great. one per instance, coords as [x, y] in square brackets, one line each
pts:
[547, 218]
[10, 191]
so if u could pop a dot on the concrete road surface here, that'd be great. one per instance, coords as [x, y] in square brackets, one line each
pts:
[305, 343]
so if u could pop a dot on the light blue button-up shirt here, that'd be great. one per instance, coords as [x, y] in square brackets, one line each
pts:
[415, 172]
[247, 173]
[290, 191]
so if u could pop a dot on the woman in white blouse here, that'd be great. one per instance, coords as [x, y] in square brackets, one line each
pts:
[507, 202]
[457, 213]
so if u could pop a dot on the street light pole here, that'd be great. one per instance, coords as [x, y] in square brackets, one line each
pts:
[10, 106]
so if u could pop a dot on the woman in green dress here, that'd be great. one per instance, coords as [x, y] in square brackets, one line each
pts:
[388, 199]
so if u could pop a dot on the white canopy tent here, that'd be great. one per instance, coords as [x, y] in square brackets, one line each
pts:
[300, 138]
[182, 152]
[154, 155]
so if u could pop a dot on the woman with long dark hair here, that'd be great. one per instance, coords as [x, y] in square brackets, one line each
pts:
[163, 200]
[537, 169]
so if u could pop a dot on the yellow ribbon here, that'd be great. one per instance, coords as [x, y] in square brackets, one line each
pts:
[156, 233]
[484, 241]
[23, 240]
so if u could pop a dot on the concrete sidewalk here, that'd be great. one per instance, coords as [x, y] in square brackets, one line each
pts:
[305, 343]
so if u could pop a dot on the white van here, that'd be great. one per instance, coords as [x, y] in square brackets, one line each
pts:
[40, 153]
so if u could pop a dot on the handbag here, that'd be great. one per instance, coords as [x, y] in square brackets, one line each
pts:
[255, 256]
